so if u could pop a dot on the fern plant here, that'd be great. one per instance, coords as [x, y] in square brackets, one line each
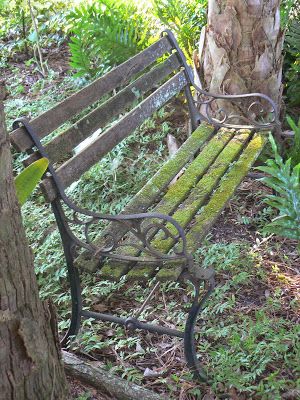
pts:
[285, 181]
[105, 34]
[294, 154]
[185, 18]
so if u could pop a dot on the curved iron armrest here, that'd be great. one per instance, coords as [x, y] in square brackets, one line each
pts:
[133, 222]
[253, 114]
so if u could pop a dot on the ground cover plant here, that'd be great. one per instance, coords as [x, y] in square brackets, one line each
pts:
[249, 334]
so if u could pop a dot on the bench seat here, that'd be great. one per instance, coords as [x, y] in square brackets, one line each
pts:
[221, 159]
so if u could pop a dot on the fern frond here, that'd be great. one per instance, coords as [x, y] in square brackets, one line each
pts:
[285, 180]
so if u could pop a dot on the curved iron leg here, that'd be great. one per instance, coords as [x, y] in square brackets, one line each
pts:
[74, 281]
[73, 275]
[189, 336]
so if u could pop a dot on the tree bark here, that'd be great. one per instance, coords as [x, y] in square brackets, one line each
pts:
[116, 387]
[30, 365]
[240, 50]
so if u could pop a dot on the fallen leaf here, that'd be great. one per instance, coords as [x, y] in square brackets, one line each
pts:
[149, 373]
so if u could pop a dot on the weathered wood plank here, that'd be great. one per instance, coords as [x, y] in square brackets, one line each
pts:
[153, 189]
[196, 199]
[177, 193]
[81, 162]
[62, 145]
[224, 192]
[53, 118]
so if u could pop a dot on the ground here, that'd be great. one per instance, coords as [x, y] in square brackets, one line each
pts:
[249, 334]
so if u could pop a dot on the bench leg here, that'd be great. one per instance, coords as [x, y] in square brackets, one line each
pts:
[74, 281]
[189, 334]
[73, 275]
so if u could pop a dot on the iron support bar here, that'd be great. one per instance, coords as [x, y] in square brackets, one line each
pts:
[132, 323]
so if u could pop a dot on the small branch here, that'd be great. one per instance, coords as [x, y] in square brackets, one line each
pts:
[37, 38]
[118, 388]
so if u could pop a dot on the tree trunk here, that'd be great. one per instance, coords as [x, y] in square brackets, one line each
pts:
[240, 50]
[30, 365]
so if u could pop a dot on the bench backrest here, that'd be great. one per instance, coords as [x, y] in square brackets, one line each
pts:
[150, 78]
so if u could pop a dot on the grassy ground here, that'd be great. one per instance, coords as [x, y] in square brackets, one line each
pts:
[249, 332]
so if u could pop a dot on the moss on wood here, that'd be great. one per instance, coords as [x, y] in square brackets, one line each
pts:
[203, 189]
[149, 193]
[224, 192]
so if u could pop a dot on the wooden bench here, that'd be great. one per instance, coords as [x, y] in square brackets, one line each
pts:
[158, 231]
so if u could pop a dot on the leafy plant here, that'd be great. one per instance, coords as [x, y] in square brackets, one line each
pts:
[295, 152]
[185, 18]
[105, 33]
[288, 10]
[292, 62]
[17, 32]
[285, 181]
[27, 180]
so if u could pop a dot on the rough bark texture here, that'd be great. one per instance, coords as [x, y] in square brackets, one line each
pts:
[241, 48]
[30, 367]
[117, 388]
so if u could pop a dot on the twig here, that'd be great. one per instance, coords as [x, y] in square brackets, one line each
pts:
[37, 38]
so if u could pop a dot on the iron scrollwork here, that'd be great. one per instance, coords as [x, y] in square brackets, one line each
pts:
[248, 111]
[143, 226]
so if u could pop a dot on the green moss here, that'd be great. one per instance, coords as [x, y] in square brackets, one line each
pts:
[226, 151]
[225, 191]
[147, 195]
[170, 169]
[87, 263]
[113, 270]
[141, 272]
[203, 189]
[171, 271]
[180, 189]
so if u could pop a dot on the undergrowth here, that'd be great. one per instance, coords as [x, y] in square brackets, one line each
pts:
[248, 339]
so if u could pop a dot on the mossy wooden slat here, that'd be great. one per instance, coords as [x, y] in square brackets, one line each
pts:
[53, 118]
[170, 271]
[113, 270]
[60, 148]
[153, 189]
[196, 199]
[203, 189]
[224, 192]
[181, 189]
[71, 170]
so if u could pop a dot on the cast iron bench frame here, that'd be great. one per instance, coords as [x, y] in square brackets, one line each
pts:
[55, 192]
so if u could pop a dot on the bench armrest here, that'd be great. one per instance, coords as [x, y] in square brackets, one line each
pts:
[150, 233]
[248, 111]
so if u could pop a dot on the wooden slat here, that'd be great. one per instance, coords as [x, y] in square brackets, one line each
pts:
[77, 165]
[177, 194]
[224, 192]
[194, 202]
[154, 188]
[53, 118]
[61, 146]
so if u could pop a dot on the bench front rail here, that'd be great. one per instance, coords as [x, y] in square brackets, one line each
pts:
[158, 231]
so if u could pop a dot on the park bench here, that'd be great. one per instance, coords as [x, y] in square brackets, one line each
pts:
[163, 225]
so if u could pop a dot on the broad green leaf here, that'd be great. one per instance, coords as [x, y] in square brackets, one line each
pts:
[27, 180]
[32, 37]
